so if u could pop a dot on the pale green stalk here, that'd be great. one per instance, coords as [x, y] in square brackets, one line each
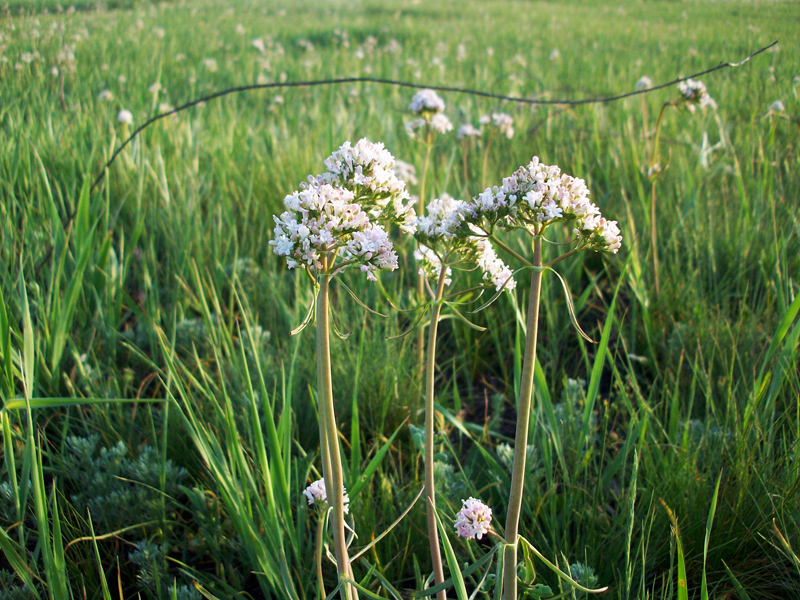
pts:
[653, 158]
[523, 421]
[430, 488]
[421, 278]
[332, 466]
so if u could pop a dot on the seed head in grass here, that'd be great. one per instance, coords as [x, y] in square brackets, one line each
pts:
[474, 519]
[426, 101]
[695, 94]
[644, 83]
[318, 497]
[537, 195]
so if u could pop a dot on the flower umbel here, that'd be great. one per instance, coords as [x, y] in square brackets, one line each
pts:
[442, 232]
[538, 195]
[322, 219]
[318, 497]
[474, 519]
[367, 170]
[426, 101]
[695, 94]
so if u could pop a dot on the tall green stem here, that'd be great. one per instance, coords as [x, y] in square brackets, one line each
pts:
[332, 465]
[421, 278]
[653, 159]
[523, 422]
[430, 488]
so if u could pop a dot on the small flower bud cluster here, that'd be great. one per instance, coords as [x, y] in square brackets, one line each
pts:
[367, 170]
[474, 519]
[537, 195]
[504, 122]
[695, 94]
[426, 101]
[321, 219]
[442, 231]
[318, 497]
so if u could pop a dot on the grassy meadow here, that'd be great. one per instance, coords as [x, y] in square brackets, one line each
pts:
[159, 421]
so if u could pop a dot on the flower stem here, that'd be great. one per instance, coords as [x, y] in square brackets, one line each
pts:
[421, 278]
[430, 488]
[653, 159]
[523, 421]
[331, 457]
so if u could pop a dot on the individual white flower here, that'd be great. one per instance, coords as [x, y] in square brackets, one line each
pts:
[210, 64]
[155, 88]
[555, 54]
[125, 117]
[317, 496]
[796, 80]
[504, 122]
[468, 130]
[54, 71]
[644, 83]
[695, 94]
[440, 123]
[367, 169]
[105, 96]
[474, 519]
[426, 101]
[777, 106]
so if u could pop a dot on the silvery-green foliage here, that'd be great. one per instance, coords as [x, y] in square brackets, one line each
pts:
[149, 560]
[184, 592]
[583, 574]
[97, 475]
[448, 483]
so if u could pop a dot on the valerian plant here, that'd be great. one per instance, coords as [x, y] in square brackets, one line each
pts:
[338, 220]
[444, 244]
[532, 199]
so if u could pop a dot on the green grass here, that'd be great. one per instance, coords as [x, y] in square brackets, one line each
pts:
[162, 287]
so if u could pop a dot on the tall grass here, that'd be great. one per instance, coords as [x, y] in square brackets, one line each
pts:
[152, 312]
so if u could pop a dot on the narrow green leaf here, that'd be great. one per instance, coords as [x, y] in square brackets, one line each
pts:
[373, 465]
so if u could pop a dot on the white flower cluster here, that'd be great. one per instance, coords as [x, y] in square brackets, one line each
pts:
[537, 195]
[426, 101]
[695, 94]
[442, 232]
[368, 170]
[643, 83]
[439, 123]
[321, 219]
[468, 130]
[474, 519]
[504, 122]
[318, 497]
